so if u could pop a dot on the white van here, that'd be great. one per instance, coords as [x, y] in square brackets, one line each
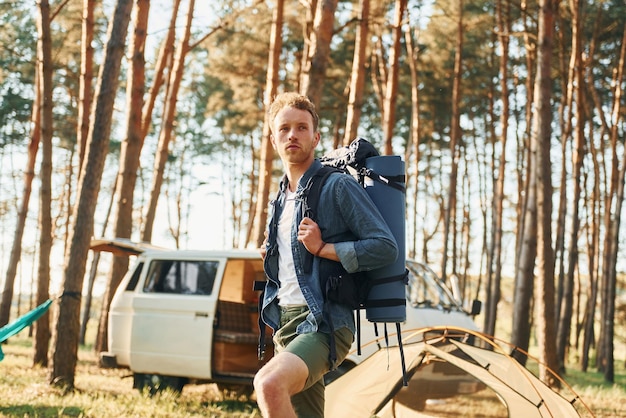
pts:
[183, 316]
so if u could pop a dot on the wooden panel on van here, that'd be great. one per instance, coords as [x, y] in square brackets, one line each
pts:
[239, 277]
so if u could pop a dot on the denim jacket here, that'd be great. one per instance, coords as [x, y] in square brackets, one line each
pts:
[348, 218]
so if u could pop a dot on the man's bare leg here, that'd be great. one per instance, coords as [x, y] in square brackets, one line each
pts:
[282, 377]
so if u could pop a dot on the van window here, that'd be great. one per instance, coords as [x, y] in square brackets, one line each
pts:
[182, 277]
[132, 283]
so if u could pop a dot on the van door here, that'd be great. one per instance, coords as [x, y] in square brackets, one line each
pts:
[173, 318]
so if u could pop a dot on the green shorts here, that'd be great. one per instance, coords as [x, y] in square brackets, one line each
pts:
[314, 349]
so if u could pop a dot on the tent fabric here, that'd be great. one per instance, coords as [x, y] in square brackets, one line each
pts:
[22, 322]
[374, 387]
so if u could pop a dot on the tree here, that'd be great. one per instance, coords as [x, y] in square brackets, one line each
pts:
[167, 127]
[32, 149]
[66, 332]
[357, 77]
[86, 78]
[494, 255]
[565, 297]
[391, 89]
[314, 72]
[129, 160]
[44, 58]
[540, 140]
[267, 152]
[612, 219]
[449, 232]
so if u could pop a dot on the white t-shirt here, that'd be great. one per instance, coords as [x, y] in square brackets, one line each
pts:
[289, 293]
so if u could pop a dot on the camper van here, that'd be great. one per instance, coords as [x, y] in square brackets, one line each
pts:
[184, 316]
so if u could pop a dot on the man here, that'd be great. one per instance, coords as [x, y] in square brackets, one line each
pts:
[349, 230]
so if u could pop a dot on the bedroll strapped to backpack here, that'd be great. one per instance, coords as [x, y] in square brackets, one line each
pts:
[380, 292]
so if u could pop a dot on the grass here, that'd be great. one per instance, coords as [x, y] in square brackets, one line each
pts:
[25, 392]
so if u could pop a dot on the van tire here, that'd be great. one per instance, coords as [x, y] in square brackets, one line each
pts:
[151, 384]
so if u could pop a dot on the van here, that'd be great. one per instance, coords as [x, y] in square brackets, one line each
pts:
[185, 316]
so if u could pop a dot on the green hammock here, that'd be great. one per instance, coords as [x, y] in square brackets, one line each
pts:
[22, 322]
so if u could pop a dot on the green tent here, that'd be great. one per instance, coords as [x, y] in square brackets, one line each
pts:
[22, 322]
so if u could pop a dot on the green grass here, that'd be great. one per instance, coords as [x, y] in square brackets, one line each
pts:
[25, 392]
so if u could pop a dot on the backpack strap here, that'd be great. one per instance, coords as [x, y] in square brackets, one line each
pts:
[310, 201]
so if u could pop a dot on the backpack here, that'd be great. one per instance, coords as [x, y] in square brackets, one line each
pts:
[339, 286]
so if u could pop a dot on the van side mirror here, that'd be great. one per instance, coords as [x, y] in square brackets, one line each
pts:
[476, 307]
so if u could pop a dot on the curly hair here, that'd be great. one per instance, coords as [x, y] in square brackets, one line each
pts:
[295, 100]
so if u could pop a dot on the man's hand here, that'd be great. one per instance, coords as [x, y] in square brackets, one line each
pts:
[309, 235]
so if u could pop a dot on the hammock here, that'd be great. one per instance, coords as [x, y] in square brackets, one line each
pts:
[22, 322]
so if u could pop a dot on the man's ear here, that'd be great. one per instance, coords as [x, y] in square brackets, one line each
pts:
[272, 141]
[318, 136]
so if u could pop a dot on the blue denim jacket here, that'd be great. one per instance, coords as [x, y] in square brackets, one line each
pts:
[348, 218]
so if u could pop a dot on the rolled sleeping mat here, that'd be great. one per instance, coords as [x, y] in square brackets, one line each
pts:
[390, 201]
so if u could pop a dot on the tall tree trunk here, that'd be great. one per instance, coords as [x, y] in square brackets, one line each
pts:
[391, 91]
[164, 59]
[494, 265]
[455, 132]
[29, 174]
[93, 270]
[565, 289]
[65, 336]
[594, 244]
[129, 161]
[314, 73]
[415, 137]
[84, 104]
[267, 152]
[541, 134]
[45, 67]
[86, 76]
[167, 127]
[357, 77]
[611, 244]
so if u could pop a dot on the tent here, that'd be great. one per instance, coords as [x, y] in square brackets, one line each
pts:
[22, 322]
[444, 363]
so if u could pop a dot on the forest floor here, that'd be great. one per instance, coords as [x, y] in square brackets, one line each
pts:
[25, 392]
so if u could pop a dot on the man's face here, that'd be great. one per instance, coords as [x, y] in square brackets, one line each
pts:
[293, 136]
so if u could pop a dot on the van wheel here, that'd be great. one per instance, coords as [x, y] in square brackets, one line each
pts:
[155, 383]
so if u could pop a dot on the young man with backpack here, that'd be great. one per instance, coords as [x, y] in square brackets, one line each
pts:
[348, 235]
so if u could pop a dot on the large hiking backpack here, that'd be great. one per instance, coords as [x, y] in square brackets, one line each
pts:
[380, 292]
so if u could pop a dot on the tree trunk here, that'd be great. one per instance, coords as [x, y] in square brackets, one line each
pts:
[565, 293]
[391, 91]
[319, 51]
[415, 137]
[129, 161]
[541, 134]
[165, 53]
[494, 265]
[455, 132]
[267, 152]
[357, 78]
[167, 127]
[65, 336]
[86, 76]
[45, 68]
[29, 174]
[611, 244]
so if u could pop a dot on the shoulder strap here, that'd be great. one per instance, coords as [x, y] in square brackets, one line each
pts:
[311, 198]
[313, 190]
